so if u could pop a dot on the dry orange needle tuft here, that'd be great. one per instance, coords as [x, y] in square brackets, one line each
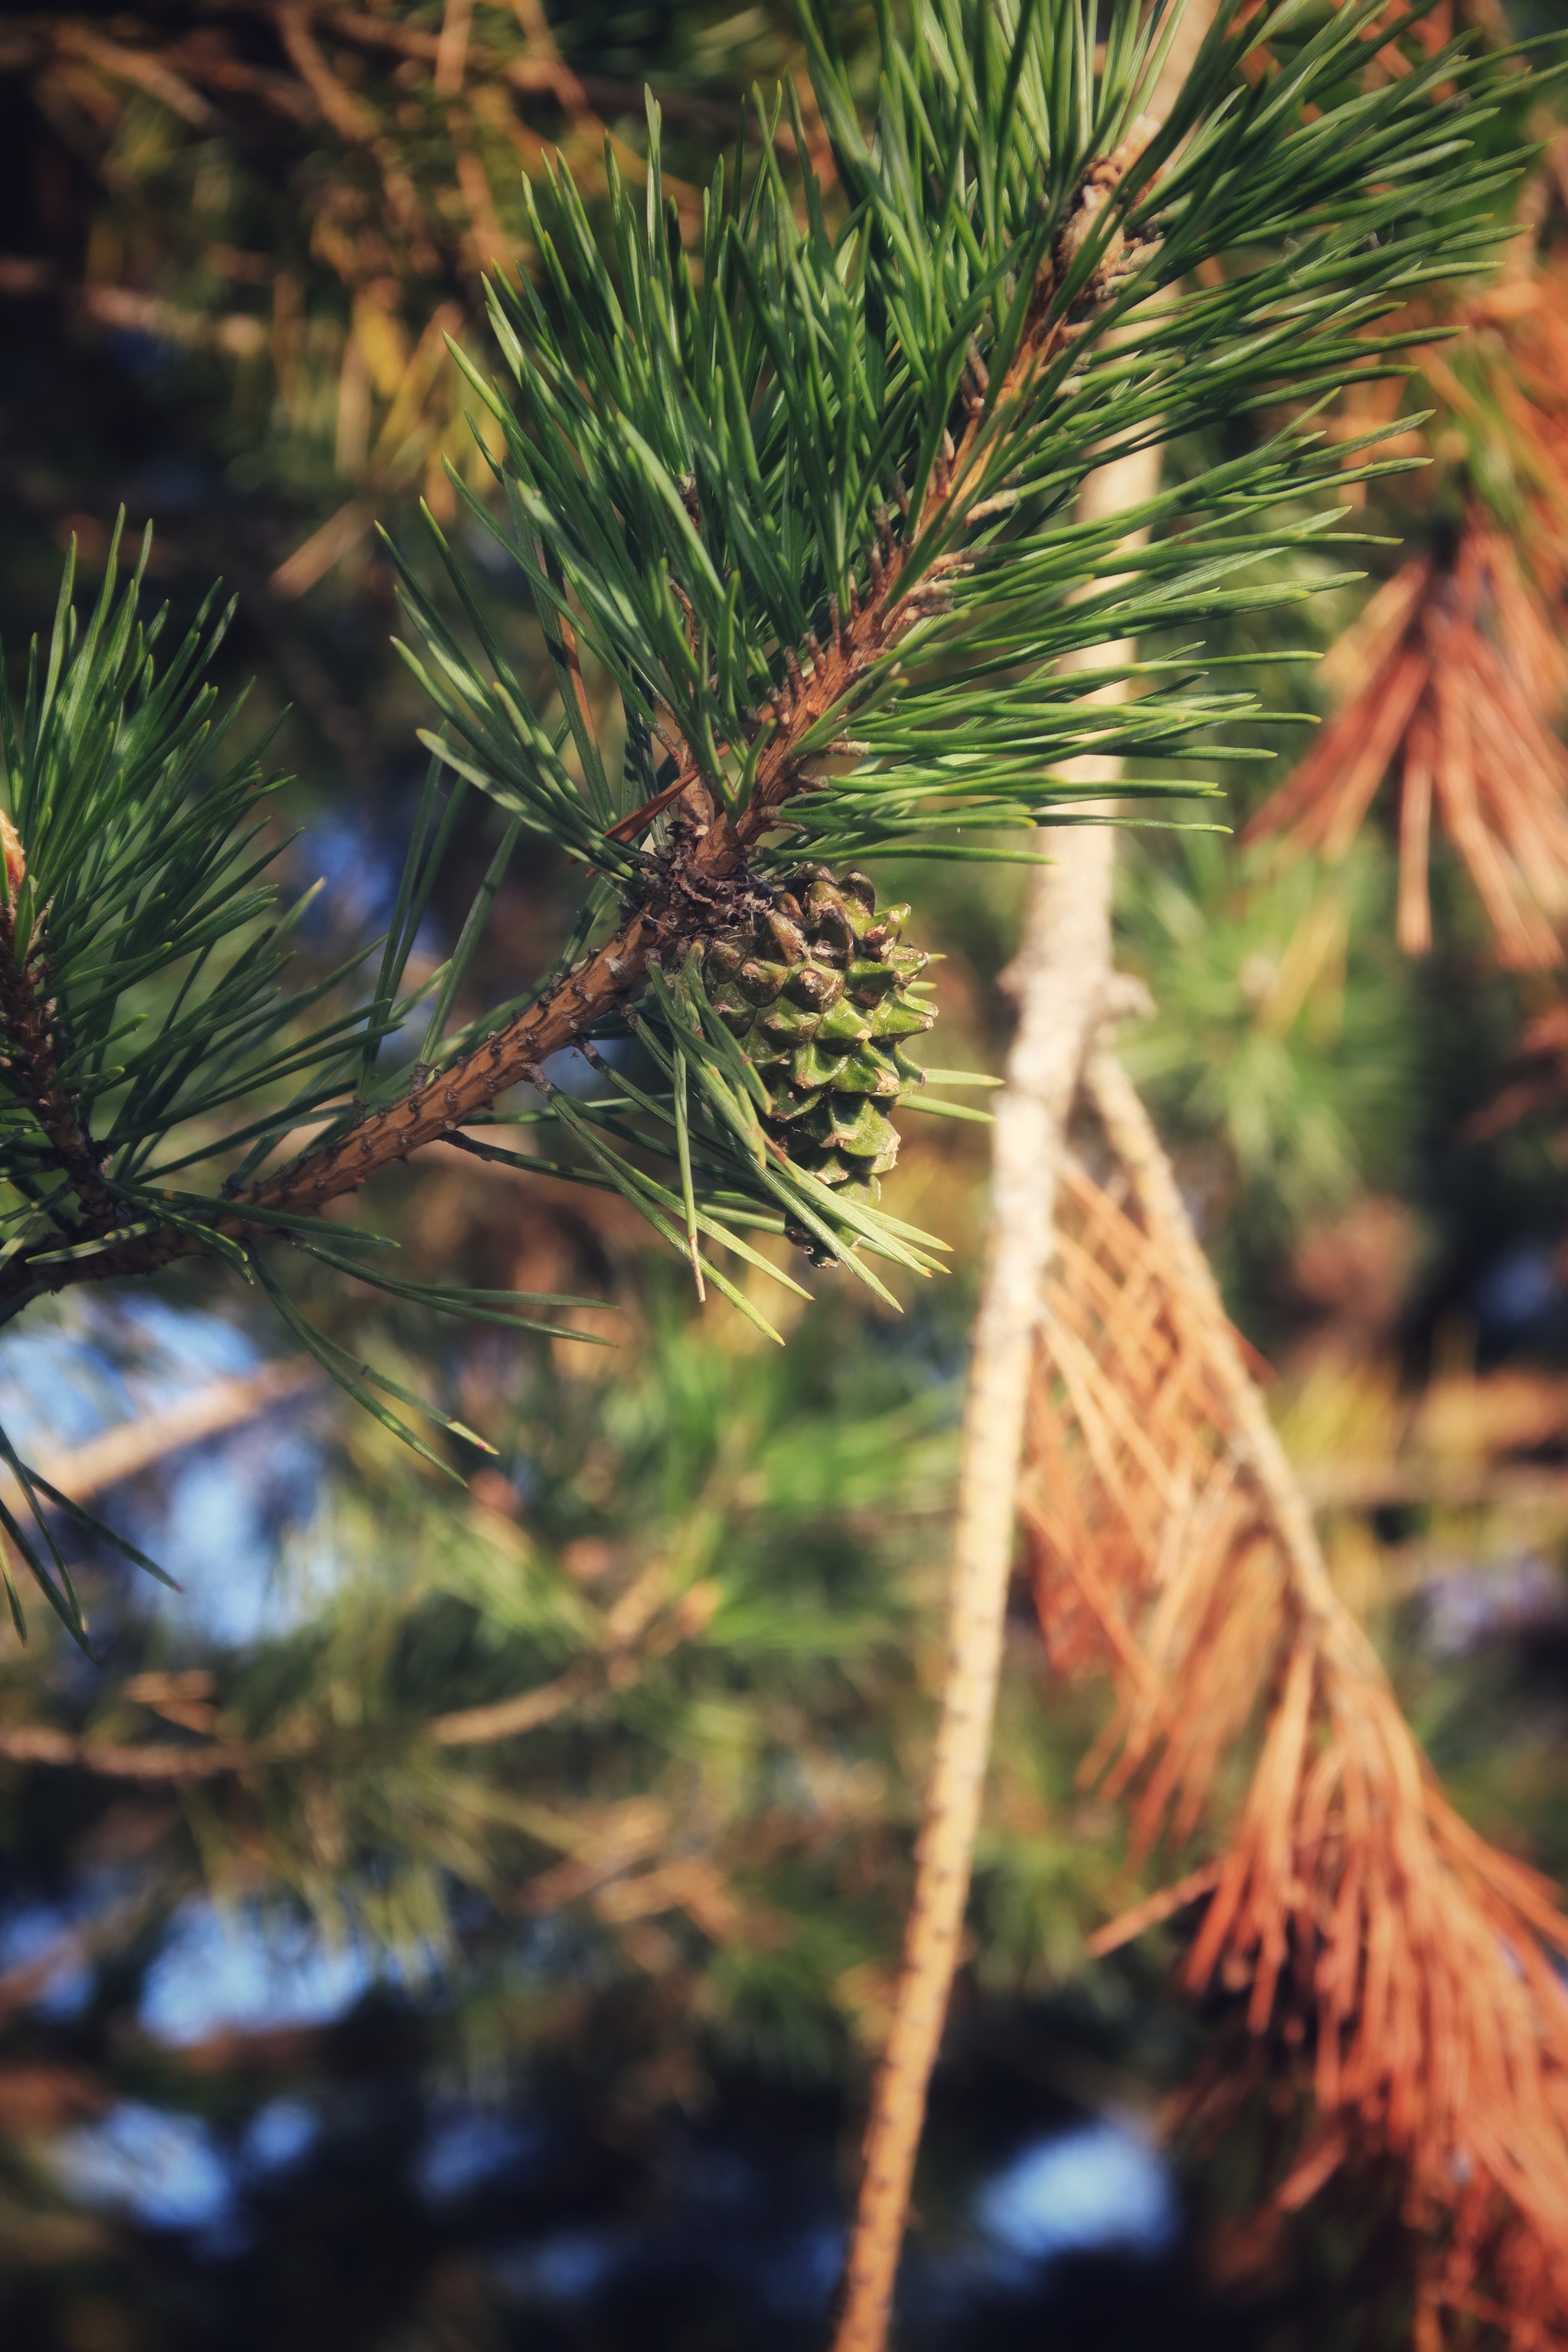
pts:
[1387, 1959]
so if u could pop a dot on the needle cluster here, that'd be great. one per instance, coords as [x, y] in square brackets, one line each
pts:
[793, 495]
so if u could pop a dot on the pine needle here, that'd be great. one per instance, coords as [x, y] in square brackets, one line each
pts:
[1454, 680]
[1403, 1972]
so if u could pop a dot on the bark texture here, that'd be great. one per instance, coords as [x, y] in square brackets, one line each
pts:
[1065, 990]
[1064, 987]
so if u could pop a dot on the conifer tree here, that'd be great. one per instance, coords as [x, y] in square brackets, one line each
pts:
[803, 499]
[794, 489]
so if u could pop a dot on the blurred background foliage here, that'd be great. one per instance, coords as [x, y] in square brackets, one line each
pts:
[460, 1920]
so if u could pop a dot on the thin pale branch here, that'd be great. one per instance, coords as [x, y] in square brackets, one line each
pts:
[123, 1452]
[639, 1626]
[1064, 987]
[1133, 1135]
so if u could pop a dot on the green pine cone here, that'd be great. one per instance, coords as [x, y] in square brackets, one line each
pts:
[819, 993]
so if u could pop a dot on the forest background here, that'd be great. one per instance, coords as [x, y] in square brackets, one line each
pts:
[517, 1978]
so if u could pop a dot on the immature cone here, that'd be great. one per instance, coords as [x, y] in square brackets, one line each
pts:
[820, 993]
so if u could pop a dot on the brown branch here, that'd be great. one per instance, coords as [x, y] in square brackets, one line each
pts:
[170, 71]
[30, 1057]
[353, 122]
[348, 115]
[508, 1719]
[147, 72]
[628, 1638]
[280, 93]
[543, 51]
[163, 1761]
[82, 1470]
[452, 48]
[472, 1085]
[539, 73]
[124, 1760]
[1154, 1912]
[327, 544]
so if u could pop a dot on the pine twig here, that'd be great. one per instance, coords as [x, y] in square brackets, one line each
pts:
[720, 846]
[123, 1452]
[32, 1052]
[1395, 1980]
[1132, 1137]
[647, 1620]
[608, 980]
[152, 1763]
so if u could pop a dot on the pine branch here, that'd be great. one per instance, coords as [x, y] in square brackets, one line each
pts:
[127, 1449]
[701, 459]
[1401, 1977]
[32, 1055]
[649, 1621]
[782, 738]
[935, 583]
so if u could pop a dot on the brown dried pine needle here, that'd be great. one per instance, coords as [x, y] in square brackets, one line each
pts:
[1454, 675]
[1401, 1970]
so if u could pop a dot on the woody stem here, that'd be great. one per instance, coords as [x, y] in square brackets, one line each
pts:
[32, 1066]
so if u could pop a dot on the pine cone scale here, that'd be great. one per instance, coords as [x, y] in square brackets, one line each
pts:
[817, 991]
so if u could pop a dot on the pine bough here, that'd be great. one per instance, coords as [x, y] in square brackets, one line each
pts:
[796, 509]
